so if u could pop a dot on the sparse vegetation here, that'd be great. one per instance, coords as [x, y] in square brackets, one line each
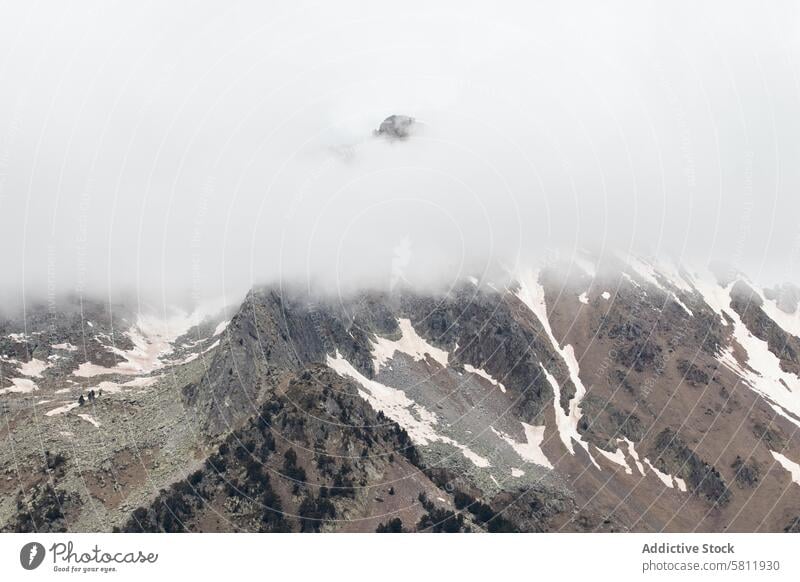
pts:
[392, 526]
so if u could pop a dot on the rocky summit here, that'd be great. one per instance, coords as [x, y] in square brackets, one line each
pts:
[396, 127]
[616, 395]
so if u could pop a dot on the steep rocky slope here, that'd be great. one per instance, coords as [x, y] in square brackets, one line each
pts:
[585, 396]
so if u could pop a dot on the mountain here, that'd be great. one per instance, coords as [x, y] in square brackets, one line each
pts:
[614, 395]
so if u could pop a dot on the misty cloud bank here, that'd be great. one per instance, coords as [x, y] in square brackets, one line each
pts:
[195, 151]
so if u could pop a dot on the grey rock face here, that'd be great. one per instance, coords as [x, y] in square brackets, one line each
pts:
[396, 127]
[277, 331]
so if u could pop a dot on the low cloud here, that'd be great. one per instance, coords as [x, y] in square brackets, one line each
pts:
[192, 152]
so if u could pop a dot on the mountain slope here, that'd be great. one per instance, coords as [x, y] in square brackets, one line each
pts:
[614, 395]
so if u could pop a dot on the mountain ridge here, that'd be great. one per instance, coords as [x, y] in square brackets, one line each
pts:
[627, 397]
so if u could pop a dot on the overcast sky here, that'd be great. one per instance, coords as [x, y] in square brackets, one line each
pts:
[191, 150]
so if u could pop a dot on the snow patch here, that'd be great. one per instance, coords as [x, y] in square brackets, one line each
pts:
[141, 382]
[789, 322]
[409, 343]
[20, 386]
[583, 298]
[634, 455]
[663, 477]
[605, 295]
[530, 450]
[517, 472]
[531, 293]
[675, 275]
[644, 270]
[90, 419]
[651, 274]
[61, 409]
[789, 465]
[485, 375]
[194, 356]
[682, 304]
[33, 368]
[567, 424]
[714, 295]
[666, 479]
[762, 370]
[417, 420]
[152, 338]
[115, 387]
[221, 327]
[65, 346]
[476, 459]
[617, 457]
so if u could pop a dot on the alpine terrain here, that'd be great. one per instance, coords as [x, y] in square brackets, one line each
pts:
[615, 395]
